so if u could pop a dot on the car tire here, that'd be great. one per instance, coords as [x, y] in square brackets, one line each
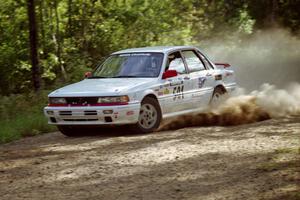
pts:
[70, 131]
[217, 96]
[149, 117]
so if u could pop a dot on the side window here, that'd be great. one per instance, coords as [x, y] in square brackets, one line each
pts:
[175, 62]
[206, 62]
[193, 61]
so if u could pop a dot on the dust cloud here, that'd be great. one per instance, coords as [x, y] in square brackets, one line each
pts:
[267, 57]
[235, 111]
[265, 103]
[279, 102]
[267, 68]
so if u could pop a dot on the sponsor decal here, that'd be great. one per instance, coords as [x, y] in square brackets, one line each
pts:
[166, 91]
[218, 77]
[201, 82]
[135, 54]
[176, 83]
[160, 93]
[156, 90]
[161, 86]
[228, 73]
[116, 114]
[131, 112]
[140, 54]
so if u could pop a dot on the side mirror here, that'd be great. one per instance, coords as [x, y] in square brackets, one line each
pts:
[169, 74]
[87, 74]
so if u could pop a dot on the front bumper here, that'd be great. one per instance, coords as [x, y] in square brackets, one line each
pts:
[93, 115]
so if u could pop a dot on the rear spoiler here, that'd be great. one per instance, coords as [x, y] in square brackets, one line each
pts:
[224, 65]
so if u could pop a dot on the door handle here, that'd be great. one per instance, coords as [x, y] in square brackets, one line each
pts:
[186, 78]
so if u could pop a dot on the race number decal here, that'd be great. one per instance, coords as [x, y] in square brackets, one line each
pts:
[178, 92]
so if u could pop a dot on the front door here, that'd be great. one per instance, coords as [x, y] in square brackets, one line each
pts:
[176, 89]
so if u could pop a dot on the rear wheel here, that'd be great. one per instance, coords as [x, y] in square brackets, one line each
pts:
[149, 117]
[217, 96]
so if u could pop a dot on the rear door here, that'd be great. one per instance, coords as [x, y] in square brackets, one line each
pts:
[201, 78]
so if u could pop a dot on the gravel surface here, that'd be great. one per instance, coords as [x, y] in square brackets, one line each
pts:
[254, 161]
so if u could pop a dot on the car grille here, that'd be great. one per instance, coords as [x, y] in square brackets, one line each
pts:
[90, 112]
[79, 120]
[65, 113]
[86, 112]
[81, 100]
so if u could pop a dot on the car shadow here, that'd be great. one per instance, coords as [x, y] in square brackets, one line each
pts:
[107, 131]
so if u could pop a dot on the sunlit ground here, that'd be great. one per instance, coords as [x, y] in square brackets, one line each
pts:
[258, 160]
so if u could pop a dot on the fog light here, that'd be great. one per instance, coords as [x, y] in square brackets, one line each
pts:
[52, 119]
[50, 112]
[108, 111]
[108, 119]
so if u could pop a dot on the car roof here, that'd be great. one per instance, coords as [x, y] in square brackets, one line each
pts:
[158, 49]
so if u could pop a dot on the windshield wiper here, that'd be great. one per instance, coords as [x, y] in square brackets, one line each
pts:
[124, 76]
[95, 77]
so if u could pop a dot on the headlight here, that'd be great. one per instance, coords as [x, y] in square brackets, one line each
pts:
[57, 100]
[118, 99]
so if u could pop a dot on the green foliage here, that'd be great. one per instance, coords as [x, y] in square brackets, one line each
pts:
[22, 126]
[75, 34]
[245, 22]
[22, 115]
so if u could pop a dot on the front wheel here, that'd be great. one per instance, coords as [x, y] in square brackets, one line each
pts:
[149, 117]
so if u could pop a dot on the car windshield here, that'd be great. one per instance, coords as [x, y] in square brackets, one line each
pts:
[130, 65]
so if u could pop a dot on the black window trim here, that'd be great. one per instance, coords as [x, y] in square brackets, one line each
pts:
[209, 62]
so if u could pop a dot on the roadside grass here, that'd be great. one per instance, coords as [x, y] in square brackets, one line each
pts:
[287, 150]
[22, 115]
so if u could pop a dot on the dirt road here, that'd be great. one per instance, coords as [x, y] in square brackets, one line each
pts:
[255, 161]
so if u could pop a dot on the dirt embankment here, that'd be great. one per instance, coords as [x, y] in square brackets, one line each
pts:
[254, 161]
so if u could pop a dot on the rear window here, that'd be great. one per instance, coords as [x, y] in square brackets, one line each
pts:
[193, 61]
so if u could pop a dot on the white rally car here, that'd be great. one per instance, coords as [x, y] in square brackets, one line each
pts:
[140, 87]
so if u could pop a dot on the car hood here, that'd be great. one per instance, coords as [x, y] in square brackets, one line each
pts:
[102, 87]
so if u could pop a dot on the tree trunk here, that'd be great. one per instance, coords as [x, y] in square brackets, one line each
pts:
[42, 30]
[83, 25]
[274, 10]
[70, 21]
[36, 77]
[271, 15]
[58, 43]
